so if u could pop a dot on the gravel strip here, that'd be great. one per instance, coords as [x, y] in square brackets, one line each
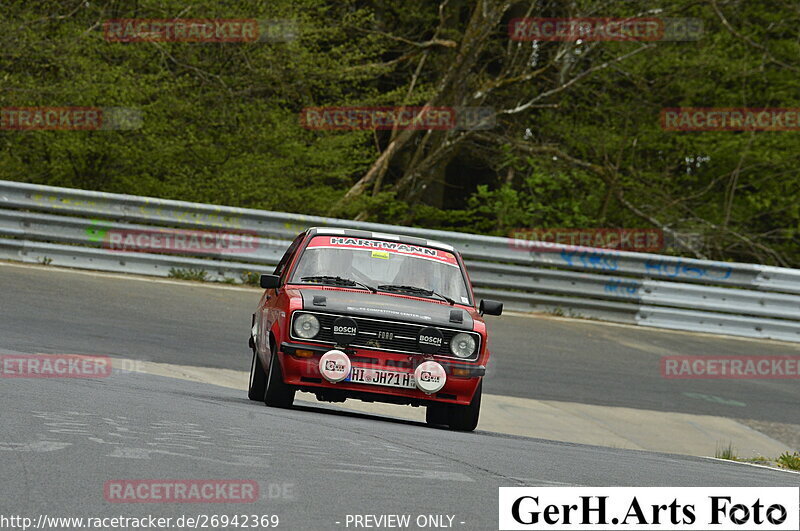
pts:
[788, 434]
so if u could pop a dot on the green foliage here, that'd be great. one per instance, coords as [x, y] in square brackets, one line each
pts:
[544, 199]
[790, 461]
[251, 278]
[221, 120]
[198, 275]
[726, 452]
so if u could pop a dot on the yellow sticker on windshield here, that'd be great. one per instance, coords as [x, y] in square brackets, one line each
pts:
[380, 254]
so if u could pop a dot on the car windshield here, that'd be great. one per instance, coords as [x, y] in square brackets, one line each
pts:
[381, 264]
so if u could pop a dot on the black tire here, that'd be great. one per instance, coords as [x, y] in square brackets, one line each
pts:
[465, 418]
[258, 380]
[278, 394]
[436, 415]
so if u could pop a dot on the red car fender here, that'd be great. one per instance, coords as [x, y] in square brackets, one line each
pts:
[288, 301]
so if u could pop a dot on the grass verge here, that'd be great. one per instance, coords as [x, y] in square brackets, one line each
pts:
[787, 460]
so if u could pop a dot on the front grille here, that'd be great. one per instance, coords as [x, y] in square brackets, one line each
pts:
[372, 334]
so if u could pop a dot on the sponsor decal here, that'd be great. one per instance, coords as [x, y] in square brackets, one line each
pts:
[430, 377]
[430, 340]
[730, 119]
[386, 247]
[334, 366]
[649, 508]
[181, 491]
[345, 330]
[54, 366]
[415, 316]
[730, 367]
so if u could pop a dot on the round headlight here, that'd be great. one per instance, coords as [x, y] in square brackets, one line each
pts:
[462, 345]
[306, 326]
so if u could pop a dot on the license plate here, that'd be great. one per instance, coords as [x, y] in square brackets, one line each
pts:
[381, 377]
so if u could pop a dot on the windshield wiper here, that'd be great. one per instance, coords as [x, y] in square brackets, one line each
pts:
[416, 290]
[326, 279]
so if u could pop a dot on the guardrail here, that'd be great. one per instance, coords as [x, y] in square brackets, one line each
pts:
[66, 227]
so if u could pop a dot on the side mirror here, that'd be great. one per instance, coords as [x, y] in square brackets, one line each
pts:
[490, 307]
[270, 281]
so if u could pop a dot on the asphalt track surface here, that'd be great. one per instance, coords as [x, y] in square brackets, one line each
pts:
[56, 311]
[62, 439]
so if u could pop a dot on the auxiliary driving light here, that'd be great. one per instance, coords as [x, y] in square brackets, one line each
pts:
[430, 377]
[334, 366]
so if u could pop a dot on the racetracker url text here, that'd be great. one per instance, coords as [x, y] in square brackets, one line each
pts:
[199, 521]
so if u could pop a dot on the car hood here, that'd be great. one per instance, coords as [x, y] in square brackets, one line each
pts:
[384, 306]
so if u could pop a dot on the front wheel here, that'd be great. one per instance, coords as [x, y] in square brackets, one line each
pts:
[436, 415]
[258, 379]
[465, 418]
[278, 394]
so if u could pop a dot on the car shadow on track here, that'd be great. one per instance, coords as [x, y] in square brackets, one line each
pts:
[324, 408]
[332, 410]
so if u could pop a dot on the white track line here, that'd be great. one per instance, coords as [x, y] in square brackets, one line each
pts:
[751, 464]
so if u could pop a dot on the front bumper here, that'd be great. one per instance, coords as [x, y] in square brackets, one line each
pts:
[303, 371]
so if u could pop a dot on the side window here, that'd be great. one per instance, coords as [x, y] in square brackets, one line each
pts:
[287, 256]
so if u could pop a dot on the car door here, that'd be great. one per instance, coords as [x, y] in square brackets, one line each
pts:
[271, 306]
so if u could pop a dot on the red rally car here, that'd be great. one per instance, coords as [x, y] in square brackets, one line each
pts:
[375, 317]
